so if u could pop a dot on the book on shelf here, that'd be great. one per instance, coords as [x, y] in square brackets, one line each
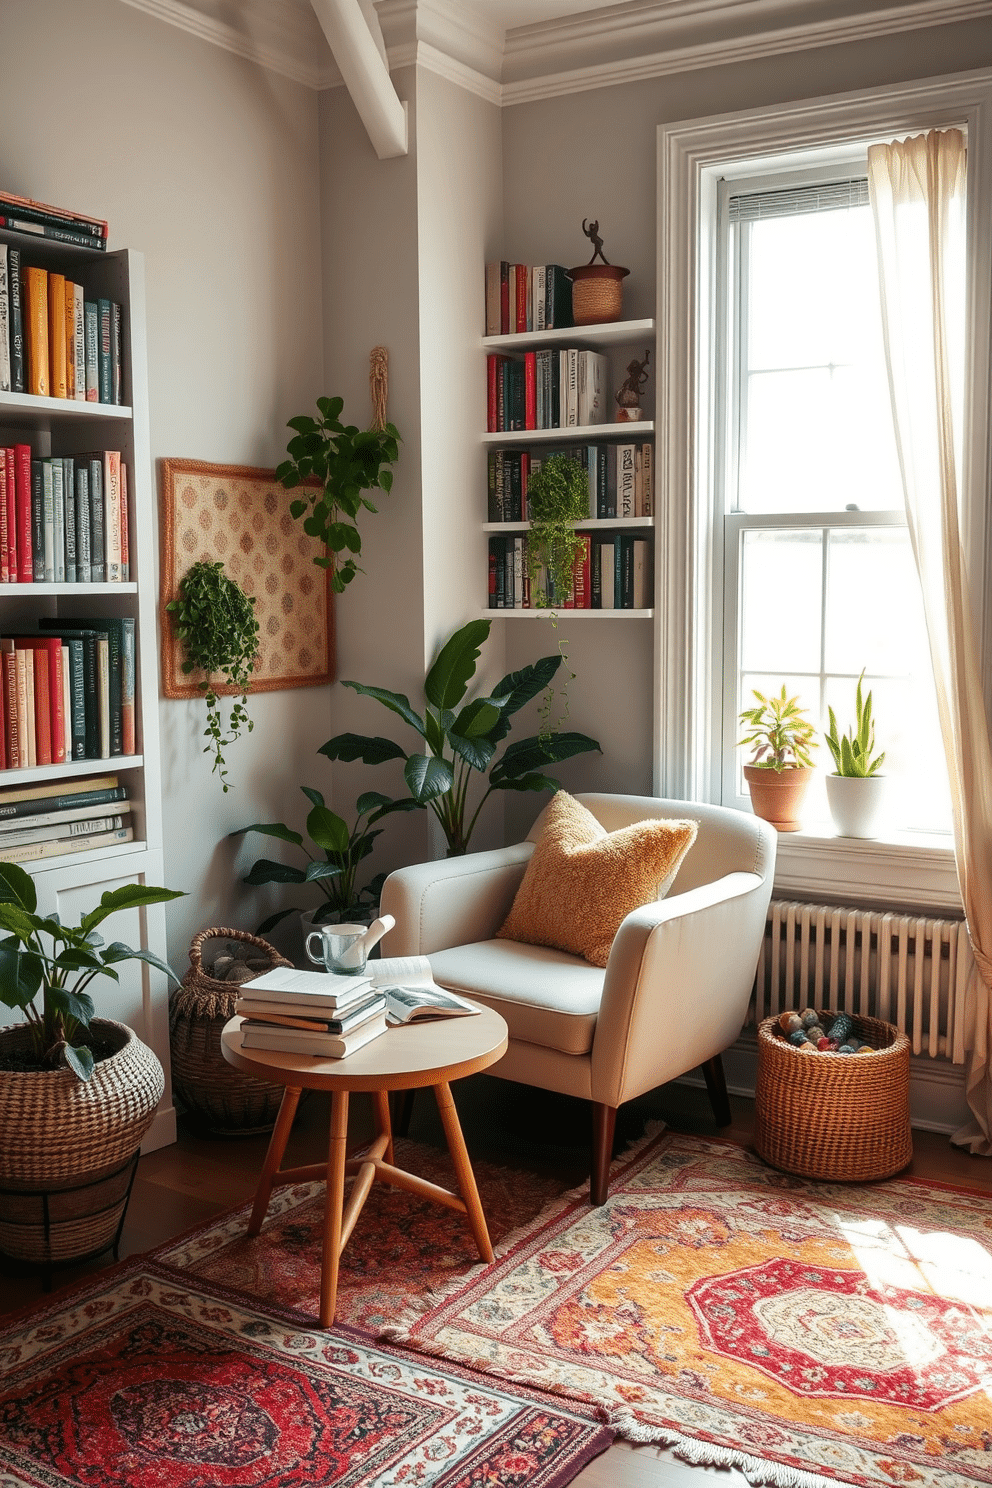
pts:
[17, 220]
[91, 359]
[18, 382]
[92, 228]
[521, 298]
[103, 350]
[78, 342]
[593, 373]
[30, 851]
[121, 640]
[31, 829]
[34, 286]
[90, 790]
[58, 387]
[624, 454]
[5, 371]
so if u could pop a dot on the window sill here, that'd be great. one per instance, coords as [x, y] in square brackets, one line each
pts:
[905, 871]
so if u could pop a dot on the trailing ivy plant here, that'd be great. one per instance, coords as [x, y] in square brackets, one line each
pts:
[215, 621]
[347, 461]
[557, 498]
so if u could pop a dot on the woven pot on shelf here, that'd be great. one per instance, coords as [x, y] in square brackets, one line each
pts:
[217, 1095]
[840, 1117]
[67, 1147]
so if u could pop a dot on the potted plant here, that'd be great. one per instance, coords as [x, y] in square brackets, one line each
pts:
[557, 499]
[856, 791]
[77, 1092]
[782, 737]
[335, 865]
[347, 461]
[215, 621]
[461, 738]
[597, 288]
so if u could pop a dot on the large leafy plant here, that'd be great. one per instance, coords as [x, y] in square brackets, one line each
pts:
[347, 461]
[333, 868]
[459, 739]
[779, 732]
[854, 752]
[41, 956]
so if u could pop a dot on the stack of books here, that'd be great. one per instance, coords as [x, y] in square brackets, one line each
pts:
[310, 1012]
[67, 692]
[559, 389]
[45, 821]
[520, 298]
[21, 214]
[63, 519]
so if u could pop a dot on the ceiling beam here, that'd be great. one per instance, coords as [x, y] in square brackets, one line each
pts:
[352, 31]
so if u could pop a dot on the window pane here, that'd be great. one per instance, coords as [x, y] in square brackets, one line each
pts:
[874, 607]
[780, 601]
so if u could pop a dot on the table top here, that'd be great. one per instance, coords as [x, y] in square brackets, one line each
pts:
[407, 1057]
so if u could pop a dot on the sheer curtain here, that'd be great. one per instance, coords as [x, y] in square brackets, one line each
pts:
[917, 190]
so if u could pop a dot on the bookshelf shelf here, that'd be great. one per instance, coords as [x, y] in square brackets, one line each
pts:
[42, 774]
[591, 524]
[66, 591]
[566, 616]
[575, 434]
[29, 410]
[591, 337]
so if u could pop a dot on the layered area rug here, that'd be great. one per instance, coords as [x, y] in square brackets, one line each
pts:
[803, 1332]
[143, 1378]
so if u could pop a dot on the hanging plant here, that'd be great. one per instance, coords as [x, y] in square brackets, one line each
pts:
[215, 621]
[347, 461]
[557, 499]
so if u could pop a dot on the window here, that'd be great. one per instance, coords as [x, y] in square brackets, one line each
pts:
[819, 579]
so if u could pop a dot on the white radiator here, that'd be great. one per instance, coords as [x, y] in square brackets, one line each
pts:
[909, 970]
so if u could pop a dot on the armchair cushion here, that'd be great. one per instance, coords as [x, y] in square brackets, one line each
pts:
[582, 881]
[547, 997]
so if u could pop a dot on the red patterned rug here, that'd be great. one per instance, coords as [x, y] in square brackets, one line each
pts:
[146, 1379]
[403, 1247]
[801, 1331]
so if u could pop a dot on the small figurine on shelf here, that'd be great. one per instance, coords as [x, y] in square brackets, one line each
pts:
[597, 288]
[629, 392]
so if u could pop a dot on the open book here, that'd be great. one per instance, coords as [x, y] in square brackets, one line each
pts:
[408, 985]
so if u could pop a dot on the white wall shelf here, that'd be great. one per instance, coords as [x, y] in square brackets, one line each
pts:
[28, 410]
[590, 524]
[614, 333]
[576, 434]
[43, 774]
[567, 615]
[67, 591]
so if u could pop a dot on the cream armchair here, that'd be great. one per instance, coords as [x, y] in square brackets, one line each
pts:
[675, 989]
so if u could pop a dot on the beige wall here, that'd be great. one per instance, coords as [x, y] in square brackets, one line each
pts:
[209, 166]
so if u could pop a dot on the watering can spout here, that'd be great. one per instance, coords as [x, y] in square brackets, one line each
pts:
[375, 932]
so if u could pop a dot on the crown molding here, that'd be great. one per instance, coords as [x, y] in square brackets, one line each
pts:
[802, 36]
[274, 58]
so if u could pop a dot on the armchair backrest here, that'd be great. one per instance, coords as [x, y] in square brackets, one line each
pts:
[728, 841]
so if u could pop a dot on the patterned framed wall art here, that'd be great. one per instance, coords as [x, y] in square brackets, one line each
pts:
[240, 516]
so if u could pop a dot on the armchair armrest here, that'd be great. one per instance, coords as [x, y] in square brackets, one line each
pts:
[677, 984]
[454, 901]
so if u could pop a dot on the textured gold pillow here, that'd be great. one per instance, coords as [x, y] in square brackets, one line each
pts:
[582, 881]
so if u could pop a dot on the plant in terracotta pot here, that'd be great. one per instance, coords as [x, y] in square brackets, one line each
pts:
[856, 791]
[77, 1093]
[782, 737]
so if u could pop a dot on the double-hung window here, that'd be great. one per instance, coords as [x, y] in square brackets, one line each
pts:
[818, 580]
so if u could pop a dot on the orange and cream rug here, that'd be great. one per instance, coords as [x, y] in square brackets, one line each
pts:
[800, 1331]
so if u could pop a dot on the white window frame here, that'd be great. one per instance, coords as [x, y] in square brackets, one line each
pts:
[693, 157]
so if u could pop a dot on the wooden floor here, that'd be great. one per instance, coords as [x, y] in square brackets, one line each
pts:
[182, 1185]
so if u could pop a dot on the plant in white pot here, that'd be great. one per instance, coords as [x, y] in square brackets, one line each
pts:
[856, 791]
[77, 1093]
[782, 737]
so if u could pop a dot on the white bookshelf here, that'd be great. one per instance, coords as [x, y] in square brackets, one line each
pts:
[73, 883]
[590, 338]
[574, 434]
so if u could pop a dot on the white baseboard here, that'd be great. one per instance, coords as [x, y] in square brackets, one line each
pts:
[936, 1087]
[162, 1132]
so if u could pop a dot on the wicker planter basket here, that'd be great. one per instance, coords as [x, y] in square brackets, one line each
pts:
[841, 1117]
[213, 1091]
[597, 293]
[67, 1148]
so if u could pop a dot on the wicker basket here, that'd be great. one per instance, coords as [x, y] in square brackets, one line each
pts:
[842, 1117]
[67, 1148]
[597, 293]
[217, 1095]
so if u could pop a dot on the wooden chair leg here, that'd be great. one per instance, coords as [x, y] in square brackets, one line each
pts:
[716, 1086]
[604, 1120]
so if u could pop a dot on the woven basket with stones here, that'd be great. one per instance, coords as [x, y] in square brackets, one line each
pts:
[217, 1095]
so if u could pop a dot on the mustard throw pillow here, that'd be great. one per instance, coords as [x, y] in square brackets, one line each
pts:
[582, 881]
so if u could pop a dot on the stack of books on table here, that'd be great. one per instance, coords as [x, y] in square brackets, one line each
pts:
[67, 816]
[328, 1016]
[310, 1012]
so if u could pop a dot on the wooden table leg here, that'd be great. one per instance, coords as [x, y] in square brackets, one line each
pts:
[463, 1169]
[273, 1157]
[334, 1206]
[381, 1100]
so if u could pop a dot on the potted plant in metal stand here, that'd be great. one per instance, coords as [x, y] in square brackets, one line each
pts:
[856, 791]
[778, 774]
[77, 1092]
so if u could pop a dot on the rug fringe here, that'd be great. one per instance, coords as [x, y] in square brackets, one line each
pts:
[757, 1471]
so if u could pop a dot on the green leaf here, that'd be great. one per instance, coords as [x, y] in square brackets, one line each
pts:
[427, 777]
[447, 680]
[475, 752]
[20, 975]
[17, 887]
[78, 1005]
[370, 749]
[532, 782]
[521, 687]
[478, 718]
[128, 896]
[396, 702]
[403, 803]
[266, 871]
[316, 871]
[328, 830]
[272, 829]
[535, 753]
[274, 919]
[118, 951]
[80, 1061]
[313, 796]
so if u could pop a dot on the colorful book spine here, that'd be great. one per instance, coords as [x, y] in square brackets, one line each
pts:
[57, 336]
[82, 503]
[18, 369]
[58, 520]
[116, 351]
[105, 338]
[91, 350]
[37, 521]
[69, 290]
[48, 520]
[76, 743]
[112, 515]
[5, 386]
[98, 565]
[69, 518]
[18, 222]
[79, 342]
[22, 506]
[125, 527]
[13, 561]
[5, 577]
[36, 329]
[93, 227]
[12, 739]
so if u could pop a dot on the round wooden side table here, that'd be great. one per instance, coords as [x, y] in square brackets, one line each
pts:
[409, 1057]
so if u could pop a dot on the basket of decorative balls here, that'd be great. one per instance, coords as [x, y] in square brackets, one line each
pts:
[832, 1096]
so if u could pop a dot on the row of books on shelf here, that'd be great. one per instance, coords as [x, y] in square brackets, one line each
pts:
[611, 573]
[55, 341]
[23, 214]
[328, 1015]
[520, 298]
[556, 389]
[63, 519]
[67, 692]
[45, 821]
[620, 479]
